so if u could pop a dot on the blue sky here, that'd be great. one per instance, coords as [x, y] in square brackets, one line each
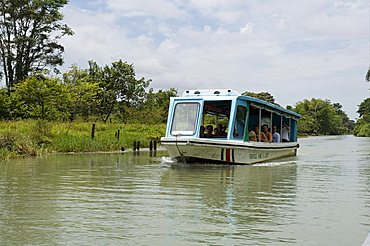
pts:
[293, 49]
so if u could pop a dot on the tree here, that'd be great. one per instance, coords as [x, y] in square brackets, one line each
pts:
[362, 128]
[260, 95]
[155, 108]
[4, 102]
[38, 97]
[322, 117]
[364, 107]
[119, 87]
[81, 93]
[29, 35]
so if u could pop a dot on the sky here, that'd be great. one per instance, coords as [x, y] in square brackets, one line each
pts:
[294, 50]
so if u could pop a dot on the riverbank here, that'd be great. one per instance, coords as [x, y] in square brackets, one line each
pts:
[32, 137]
[35, 137]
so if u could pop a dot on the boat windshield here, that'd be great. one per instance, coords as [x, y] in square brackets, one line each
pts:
[215, 121]
[185, 119]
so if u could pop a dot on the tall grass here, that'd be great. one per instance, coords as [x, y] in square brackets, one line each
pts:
[33, 137]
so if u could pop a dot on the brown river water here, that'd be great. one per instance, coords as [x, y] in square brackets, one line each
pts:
[320, 197]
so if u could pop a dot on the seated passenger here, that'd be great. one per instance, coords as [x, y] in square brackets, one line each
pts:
[261, 137]
[252, 136]
[221, 131]
[268, 135]
[216, 132]
[209, 131]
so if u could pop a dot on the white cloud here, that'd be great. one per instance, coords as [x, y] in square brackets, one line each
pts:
[294, 50]
[161, 9]
[248, 28]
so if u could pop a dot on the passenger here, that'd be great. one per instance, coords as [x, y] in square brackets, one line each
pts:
[252, 136]
[216, 132]
[285, 133]
[209, 131]
[275, 135]
[261, 137]
[222, 133]
[220, 127]
[267, 133]
[201, 133]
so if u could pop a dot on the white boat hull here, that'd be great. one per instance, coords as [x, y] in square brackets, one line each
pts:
[226, 151]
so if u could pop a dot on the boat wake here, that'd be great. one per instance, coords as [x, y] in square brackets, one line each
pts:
[167, 160]
[275, 163]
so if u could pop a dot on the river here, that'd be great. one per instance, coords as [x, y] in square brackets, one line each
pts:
[320, 197]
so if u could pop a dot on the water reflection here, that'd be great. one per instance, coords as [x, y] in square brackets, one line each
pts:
[44, 199]
[240, 198]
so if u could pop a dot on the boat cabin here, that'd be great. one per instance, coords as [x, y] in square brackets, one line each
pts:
[224, 114]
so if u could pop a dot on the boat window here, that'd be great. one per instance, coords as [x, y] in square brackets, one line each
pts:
[258, 117]
[239, 126]
[253, 123]
[185, 119]
[215, 122]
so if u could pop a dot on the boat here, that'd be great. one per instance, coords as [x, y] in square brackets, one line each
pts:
[192, 118]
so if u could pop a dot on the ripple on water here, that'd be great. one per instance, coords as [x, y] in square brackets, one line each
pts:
[320, 197]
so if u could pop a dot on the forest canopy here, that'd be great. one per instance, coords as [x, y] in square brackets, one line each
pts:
[114, 93]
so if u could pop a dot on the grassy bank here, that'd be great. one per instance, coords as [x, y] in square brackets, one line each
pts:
[31, 137]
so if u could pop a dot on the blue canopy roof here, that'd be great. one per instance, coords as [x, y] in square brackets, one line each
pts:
[228, 94]
[276, 108]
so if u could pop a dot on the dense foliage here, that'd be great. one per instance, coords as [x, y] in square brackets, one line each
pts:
[97, 93]
[260, 95]
[362, 128]
[322, 117]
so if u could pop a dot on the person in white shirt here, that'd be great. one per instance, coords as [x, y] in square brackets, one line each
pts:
[275, 135]
[285, 133]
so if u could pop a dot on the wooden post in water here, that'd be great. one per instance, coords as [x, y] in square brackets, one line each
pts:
[154, 147]
[134, 145]
[151, 148]
[138, 145]
[151, 145]
[93, 131]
